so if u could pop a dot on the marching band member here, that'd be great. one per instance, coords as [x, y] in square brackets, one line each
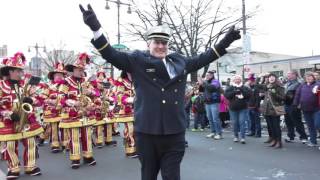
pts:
[78, 106]
[52, 107]
[17, 119]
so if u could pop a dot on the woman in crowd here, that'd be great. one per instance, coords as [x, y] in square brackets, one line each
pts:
[272, 108]
[307, 100]
[238, 95]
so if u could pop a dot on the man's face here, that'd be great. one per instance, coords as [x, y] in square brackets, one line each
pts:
[291, 76]
[209, 76]
[58, 76]
[16, 74]
[78, 72]
[316, 75]
[158, 48]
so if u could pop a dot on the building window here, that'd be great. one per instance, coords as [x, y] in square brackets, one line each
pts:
[304, 70]
[277, 73]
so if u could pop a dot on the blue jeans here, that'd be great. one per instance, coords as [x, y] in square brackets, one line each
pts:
[310, 116]
[199, 119]
[254, 116]
[248, 123]
[238, 119]
[317, 120]
[213, 117]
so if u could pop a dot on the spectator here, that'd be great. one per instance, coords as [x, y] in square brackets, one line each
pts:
[293, 117]
[316, 75]
[212, 100]
[317, 118]
[199, 111]
[238, 95]
[253, 106]
[272, 104]
[306, 98]
[223, 109]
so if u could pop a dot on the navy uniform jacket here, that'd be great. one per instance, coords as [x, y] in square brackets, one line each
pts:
[159, 103]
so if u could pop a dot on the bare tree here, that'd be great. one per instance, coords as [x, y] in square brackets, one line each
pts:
[196, 27]
[58, 55]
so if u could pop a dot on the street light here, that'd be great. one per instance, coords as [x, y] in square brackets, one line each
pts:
[37, 47]
[118, 3]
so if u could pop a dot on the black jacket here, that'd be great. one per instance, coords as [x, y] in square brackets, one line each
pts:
[159, 103]
[290, 91]
[236, 104]
[255, 99]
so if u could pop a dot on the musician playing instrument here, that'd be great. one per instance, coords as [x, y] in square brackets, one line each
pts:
[17, 118]
[79, 107]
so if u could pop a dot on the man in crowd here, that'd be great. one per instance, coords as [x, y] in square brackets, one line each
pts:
[293, 117]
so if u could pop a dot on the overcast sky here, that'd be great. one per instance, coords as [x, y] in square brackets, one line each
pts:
[283, 26]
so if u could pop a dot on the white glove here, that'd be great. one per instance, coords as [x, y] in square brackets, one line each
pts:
[72, 103]
[240, 96]
[111, 108]
[315, 89]
[6, 114]
[129, 100]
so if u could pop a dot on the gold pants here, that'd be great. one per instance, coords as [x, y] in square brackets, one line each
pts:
[29, 155]
[54, 135]
[86, 142]
[129, 141]
[108, 133]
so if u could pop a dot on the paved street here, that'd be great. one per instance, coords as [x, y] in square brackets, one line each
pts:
[205, 159]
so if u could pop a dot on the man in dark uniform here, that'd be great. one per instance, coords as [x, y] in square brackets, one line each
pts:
[159, 80]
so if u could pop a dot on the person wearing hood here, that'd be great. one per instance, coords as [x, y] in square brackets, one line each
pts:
[238, 96]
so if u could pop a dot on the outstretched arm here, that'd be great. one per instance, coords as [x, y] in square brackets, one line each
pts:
[213, 53]
[120, 60]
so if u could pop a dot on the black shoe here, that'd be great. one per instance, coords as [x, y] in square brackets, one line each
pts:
[251, 134]
[99, 145]
[13, 175]
[186, 144]
[63, 148]
[116, 134]
[75, 164]
[257, 136]
[55, 150]
[289, 140]
[132, 155]
[89, 161]
[41, 142]
[111, 143]
[35, 172]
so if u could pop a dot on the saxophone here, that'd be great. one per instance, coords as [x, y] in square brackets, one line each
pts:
[22, 109]
[84, 100]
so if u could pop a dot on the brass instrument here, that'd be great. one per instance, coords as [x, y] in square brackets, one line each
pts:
[22, 109]
[85, 101]
[105, 103]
